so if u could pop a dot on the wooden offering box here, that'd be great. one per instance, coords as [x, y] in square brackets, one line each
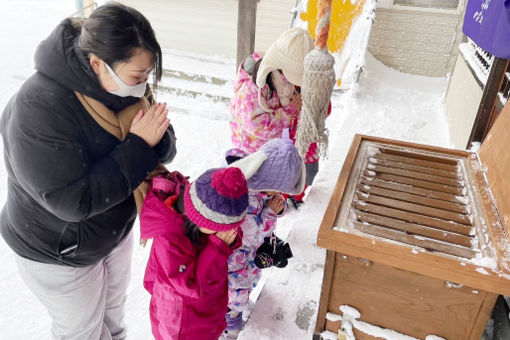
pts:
[416, 236]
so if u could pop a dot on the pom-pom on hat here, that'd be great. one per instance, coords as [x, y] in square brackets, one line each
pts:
[287, 53]
[218, 199]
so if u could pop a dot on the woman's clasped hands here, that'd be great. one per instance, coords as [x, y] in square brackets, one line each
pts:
[151, 124]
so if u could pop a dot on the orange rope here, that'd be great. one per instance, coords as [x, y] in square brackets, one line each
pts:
[323, 19]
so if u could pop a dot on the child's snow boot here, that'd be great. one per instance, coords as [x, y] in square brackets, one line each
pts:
[234, 325]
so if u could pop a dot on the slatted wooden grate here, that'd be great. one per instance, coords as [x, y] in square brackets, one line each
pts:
[415, 198]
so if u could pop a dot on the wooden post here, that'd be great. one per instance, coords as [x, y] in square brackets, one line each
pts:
[246, 23]
[484, 117]
[88, 7]
[85, 7]
[79, 7]
[326, 286]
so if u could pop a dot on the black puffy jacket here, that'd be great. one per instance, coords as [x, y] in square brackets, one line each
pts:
[70, 183]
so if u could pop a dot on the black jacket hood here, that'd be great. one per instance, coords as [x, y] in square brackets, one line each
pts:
[58, 58]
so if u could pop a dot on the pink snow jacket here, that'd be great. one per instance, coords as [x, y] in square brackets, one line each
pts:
[251, 126]
[188, 284]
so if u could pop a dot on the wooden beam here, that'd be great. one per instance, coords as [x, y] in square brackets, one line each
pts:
[414, 229]
[420, 209]
[415, 174]
[88, 6]
[85, 7]
[326, 286]
[376, 182]
[483, 316]
[484, 118]
[414, 182]
[412, 198]
[426, 243]
[445, 267]
[393, 162]
[246, 24]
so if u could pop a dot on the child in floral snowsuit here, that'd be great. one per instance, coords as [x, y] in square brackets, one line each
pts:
[263, 210]
[267, 97]
[276, 167]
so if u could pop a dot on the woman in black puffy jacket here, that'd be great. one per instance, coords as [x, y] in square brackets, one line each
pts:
[79, 137]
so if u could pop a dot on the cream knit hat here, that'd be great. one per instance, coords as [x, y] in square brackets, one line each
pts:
[287, 54]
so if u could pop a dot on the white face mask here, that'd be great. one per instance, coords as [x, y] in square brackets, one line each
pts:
[124, 89]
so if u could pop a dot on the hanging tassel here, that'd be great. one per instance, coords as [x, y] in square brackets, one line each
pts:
[318, 82]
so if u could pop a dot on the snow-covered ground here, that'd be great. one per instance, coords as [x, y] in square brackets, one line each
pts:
[388, 104]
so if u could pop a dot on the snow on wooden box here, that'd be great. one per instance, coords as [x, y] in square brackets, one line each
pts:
[416, 236]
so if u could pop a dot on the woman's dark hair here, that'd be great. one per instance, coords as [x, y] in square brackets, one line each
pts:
[114, 31]
[191, 228]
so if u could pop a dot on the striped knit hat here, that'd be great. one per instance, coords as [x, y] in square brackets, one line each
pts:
[218, 199]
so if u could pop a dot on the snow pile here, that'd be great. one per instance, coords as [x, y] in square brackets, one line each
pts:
[469, 53]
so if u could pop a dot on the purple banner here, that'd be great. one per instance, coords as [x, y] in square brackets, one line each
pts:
[487, 23]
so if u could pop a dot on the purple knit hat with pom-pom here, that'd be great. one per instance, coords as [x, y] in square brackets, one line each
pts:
[277, 166]
[218, 199]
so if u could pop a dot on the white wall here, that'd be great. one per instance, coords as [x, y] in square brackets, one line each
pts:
[461, 103]
[273, 18]
[210, 26]
[201, 26]
[416, 40]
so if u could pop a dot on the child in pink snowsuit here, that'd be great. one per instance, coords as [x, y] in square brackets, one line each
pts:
[267, 98]
[194, 230]
[275, 168]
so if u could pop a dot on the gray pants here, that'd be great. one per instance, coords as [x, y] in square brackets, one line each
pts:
[84, 303]
[311, 170]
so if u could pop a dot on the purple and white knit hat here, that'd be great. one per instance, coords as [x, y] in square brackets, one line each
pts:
[277, 166]
[218, 199]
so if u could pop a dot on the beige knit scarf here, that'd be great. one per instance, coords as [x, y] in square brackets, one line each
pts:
[118, 125]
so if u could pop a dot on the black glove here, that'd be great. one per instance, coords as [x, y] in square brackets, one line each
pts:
[273, 252]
